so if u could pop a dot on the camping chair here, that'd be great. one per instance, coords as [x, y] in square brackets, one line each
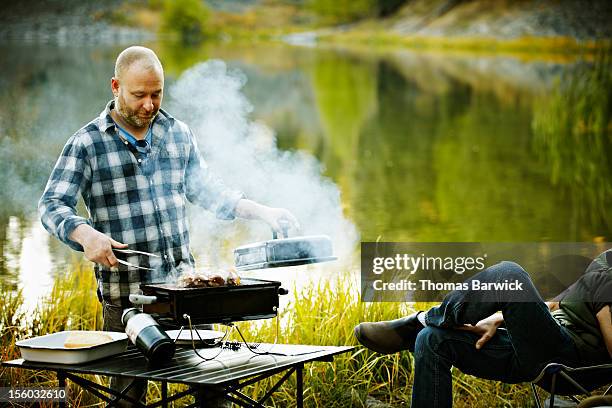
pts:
[559, 379]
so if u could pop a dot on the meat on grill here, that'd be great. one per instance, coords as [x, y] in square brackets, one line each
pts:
[203, 280]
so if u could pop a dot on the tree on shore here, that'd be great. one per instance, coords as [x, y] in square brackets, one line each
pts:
[187, 18]
[344, 11]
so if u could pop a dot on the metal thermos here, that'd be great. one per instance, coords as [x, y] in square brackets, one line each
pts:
[148, 336]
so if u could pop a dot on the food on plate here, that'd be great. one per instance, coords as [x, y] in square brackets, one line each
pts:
[77, 339]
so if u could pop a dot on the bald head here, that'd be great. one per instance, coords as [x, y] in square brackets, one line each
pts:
[142, 57]
[137, 87]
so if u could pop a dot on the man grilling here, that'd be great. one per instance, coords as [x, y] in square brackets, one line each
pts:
[134, 165]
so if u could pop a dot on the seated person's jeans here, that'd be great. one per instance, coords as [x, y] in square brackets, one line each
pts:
[517, 353]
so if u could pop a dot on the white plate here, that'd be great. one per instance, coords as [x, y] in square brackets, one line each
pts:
[50, 348]
[208, 336]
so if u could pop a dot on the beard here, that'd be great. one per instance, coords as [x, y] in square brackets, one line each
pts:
[138, 119]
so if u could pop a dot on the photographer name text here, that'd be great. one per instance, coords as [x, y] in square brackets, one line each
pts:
[428, 285]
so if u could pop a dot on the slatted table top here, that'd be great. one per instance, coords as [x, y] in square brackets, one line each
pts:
[187, 368]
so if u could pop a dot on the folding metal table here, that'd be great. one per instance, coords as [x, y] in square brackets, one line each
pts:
[224, 377]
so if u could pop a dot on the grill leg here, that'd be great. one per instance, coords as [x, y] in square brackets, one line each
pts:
[299, 385]
[200, 399]
[164, 394]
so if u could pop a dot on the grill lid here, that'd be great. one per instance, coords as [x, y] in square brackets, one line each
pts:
[279, 252]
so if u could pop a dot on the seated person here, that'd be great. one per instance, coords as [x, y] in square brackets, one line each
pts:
[464, 331]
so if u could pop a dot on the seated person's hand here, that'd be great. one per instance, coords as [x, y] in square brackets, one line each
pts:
[486, 328]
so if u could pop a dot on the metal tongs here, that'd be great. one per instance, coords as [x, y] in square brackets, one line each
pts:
[134, 252]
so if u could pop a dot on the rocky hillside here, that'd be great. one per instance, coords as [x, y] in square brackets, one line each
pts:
[66, 22]
[503, 19]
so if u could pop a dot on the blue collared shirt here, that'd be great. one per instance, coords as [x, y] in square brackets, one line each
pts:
[143, 147]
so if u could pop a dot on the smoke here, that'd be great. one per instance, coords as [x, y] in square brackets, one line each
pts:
[244, 155]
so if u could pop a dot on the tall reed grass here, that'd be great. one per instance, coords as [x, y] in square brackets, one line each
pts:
[71, 305]
[322, 314]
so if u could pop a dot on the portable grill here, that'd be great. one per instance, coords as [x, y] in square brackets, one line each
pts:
[251, 300]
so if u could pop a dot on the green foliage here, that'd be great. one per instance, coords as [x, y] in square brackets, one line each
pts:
[186, 18]
[343, 11]
[155, 4]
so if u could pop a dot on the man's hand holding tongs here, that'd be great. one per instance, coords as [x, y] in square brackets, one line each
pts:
[97, 246]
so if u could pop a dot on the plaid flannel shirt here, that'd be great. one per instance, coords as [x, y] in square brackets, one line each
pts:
[137, 200]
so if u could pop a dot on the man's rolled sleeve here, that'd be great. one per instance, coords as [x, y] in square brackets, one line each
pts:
[226, 208]
[57, 206]
[207, 190]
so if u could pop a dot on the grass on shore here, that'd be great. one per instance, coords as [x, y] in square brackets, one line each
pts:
[319, 315]
[551, 48]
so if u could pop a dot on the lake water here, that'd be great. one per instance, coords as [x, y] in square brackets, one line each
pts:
[422, 146]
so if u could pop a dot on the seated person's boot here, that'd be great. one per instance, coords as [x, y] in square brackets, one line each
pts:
[391, 336]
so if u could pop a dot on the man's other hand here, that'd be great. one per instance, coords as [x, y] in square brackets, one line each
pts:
[98, 247]
[274, 217]
[277, 217]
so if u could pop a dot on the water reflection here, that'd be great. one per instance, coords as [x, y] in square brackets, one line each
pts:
[425, 147]
[26, 262]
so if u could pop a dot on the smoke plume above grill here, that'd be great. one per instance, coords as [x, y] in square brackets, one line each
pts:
[242, 152]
